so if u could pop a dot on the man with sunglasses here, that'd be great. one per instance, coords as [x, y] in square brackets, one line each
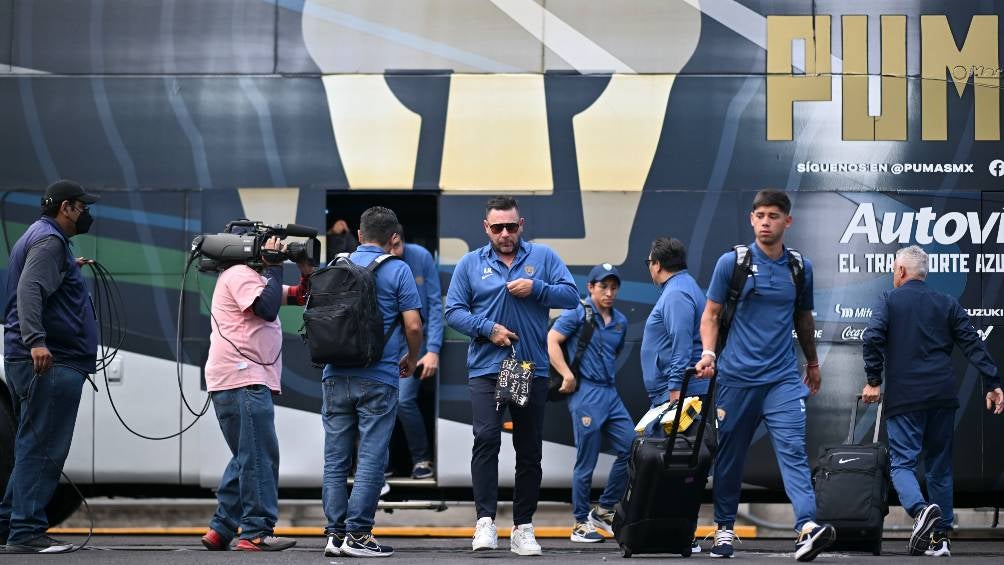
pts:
[50, 346]
[500, 296]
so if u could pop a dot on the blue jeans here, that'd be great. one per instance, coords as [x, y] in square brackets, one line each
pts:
[354, 407]
[46, 412]
[931, 432]
[597, 412]
[248, 494]
[781, 407]
[411, 420]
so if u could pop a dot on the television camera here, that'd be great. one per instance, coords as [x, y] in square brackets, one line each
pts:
[243, 241]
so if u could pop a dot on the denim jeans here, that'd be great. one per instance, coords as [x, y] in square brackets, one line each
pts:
[46, 412]
[351, 408]
[411, 420]
[931, 432]
[248, 494]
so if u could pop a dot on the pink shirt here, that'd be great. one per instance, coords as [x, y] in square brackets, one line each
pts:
[233, 318]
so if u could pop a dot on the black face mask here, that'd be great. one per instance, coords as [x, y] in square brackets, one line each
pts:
[84, 221]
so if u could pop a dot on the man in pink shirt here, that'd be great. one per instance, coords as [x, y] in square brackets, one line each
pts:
[242, 373]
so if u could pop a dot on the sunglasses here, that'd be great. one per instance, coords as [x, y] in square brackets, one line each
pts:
[510, 227]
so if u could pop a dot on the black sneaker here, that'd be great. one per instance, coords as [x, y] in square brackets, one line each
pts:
[334, 545]
[922, 526]
[365, 545]
[940, 545]
[813, 540]
[41, 544]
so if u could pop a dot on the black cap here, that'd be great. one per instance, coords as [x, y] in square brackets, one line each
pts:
[67, 190]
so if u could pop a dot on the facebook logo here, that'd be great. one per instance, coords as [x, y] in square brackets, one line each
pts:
[997, 168]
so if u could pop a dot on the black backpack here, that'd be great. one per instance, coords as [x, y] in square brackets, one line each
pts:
[342, 323]
[744, 266]
[554, 378]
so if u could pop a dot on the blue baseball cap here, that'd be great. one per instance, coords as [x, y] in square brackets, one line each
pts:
[604, 271]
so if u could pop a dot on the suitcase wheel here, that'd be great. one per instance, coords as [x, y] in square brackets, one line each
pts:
[625, 551]
[685, 552]
[877, 548]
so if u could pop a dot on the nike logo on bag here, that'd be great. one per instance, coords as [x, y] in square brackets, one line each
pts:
[842, 461]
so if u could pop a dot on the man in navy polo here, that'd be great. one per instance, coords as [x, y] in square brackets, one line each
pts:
[423, 267]
[910, 337]
[500, 296]
[597, 410]
[50, 346]
[758, 375]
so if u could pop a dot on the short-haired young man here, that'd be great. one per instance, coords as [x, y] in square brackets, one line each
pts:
[596, 408]
[361, 403]
[758, 374]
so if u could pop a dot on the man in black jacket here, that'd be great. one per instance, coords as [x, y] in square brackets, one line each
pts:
[911, 336]
[50, 346]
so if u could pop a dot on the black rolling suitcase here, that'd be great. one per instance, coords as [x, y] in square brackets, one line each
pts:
[666, 480]
[852, 489]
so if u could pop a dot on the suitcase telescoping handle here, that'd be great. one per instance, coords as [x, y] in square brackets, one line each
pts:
[689, 373]
[854, 420]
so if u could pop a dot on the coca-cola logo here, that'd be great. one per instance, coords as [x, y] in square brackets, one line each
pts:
[851, 333]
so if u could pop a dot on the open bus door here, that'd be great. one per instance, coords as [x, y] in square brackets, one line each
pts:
[418, 213]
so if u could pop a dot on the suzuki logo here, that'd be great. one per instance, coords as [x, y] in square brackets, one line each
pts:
[984, 334]
[842, 461]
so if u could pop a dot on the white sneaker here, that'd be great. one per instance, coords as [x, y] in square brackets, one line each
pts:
[485, 535]
[384, 489]
[522, 541]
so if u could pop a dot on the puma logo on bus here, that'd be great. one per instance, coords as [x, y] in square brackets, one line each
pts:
[842, 461]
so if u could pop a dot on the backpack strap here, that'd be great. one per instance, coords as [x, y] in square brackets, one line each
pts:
[797, 265]
[743, 267]
[585, 336]
[372, 267]
[376, 263]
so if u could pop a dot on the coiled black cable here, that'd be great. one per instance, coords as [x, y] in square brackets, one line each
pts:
[108, 306]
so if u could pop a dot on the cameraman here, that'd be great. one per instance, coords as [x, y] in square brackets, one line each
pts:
[242, 374]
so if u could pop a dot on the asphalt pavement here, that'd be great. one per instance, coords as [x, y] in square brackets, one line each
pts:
[178, 550]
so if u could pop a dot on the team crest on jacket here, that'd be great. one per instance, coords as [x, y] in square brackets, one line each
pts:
[586, 421]
[721, 414]
[529, 269]
[419, 279]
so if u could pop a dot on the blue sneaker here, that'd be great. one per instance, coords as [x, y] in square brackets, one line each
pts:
[813, 540]
[422, 470]
[585, 532]
[723, 543]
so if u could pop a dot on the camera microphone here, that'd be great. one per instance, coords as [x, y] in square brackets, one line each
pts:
[296, 230]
